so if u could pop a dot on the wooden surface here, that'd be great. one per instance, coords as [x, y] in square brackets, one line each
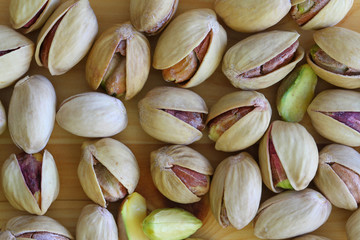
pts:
[65, 147]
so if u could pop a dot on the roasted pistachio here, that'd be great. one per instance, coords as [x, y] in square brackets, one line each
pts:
[311, 237]
[2, 118]
[352, 226]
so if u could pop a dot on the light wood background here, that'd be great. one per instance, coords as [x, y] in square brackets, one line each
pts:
[65, 147]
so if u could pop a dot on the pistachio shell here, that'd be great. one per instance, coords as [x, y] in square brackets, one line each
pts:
[335, 101]
[116, 158]
[2, 119]
[17, 62]
[163, 126]
[256, 50]
[251, 16]
[236, 186]
[92, 114]
[311, 237]
[250, 128]
[174, 45]
[352, 226]
[290, 214]
[73, 37]
[32, 113]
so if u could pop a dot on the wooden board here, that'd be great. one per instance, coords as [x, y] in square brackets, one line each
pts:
[65, 147]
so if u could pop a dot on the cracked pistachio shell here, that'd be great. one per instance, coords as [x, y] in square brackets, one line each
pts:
[311, 237]
[352, 226]
[29, 223]
[175, 44]
[137, 57]
[297, 151]
[92, 114]
[343, 45]
[24, 11]
[329, 183]
[116, 157]
[251, 16]
[32, 113]
[73, 37]
[17, 62]
[250, 128]
[96, 222]
[2, 118]
[291, 214]
[166, 181]
[256, 50]
[236, 186]
[166, 127]
[17, 192]
[336, 100]
[152, 16]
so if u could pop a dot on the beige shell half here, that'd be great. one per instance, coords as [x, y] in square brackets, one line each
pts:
[174, 45]
[253, 52]
[137, 57]
[92, 114]
[297, 152]
[334, 101]
[237, 185]
[22, 11]
[152, 16]
[116, 157]
[32, 113]
[17, 192]
[164, 126]
[352, 226]
[333, 12]
[291, 214]
[28, 223]
[96, 222]
[166, 181]
[73, 37]
[251, 16]
[329, 183]
[2, 118]
[311, 237]
[16, 63]
[250, 128]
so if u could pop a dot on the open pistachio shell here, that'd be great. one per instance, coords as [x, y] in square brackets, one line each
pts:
[251, 16]
[164, 126]
[30, 15]
[17, 191]
[116, 158]
[352, 226]
[311, 237]
[248, 129]
[18, 53]
[256, 50]
[183, 35]
[335, 101]
[236, 190]
[75, 26]
[137, 57]
[2, 118]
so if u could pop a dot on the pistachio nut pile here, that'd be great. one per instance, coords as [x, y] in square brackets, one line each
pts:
[272, 116]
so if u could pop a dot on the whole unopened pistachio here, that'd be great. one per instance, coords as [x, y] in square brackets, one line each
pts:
[311, 237]
[2, 118]
[352, 226]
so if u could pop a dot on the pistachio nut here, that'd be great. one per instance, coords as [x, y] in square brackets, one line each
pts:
[173, 115]
[95, 223]
[335, 114]
[290, 214]
[30, 15]
[238, 120]
[32, 113]
[92, 114]
[311, 237]
[119, 61]
[352, 226]
[251, 16]
[235, 191]
[262, 60]
[152, 16]
[288, 157]
[30, 181]
[66, 36]
[336, 56]
[16, 52]
[107, 171]
[170, 224]
[180, 173]
[315, 14]
[190, 48]
[2, 118]
[36, 227]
